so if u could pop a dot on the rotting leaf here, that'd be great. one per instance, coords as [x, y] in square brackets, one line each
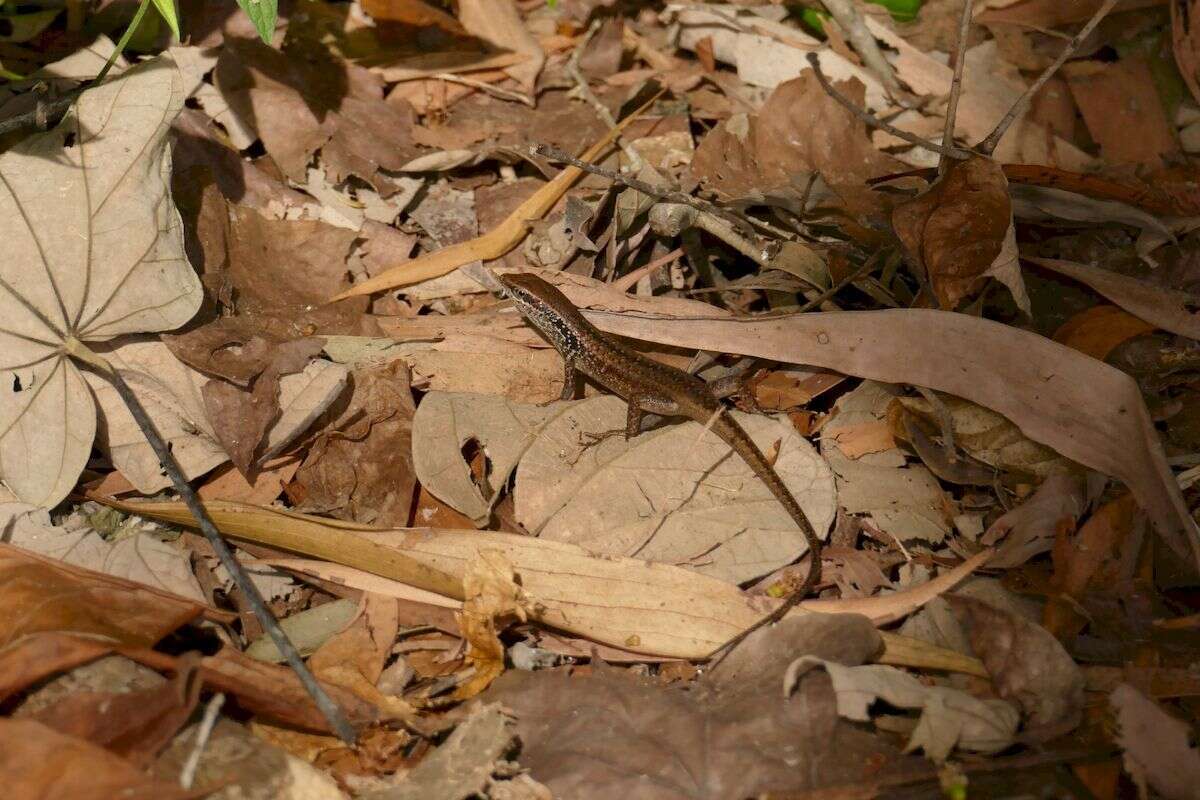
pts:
[1027, 665]
[1159, 750]
[94, 249]
[610, 733]
[958, 227]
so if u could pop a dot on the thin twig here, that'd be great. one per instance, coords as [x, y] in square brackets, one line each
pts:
[988, 145]
[876, 122]
[945, 422]
[960, 52]
[832, 290]
[203, 731]
[337, 720]
[626, 282]
[486, 88]
[847, 16]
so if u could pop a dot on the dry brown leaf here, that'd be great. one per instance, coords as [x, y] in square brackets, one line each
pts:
[675, 494]
[799, 130]
[905, 499]
[360, 467]
[449, 426]
[283, 270]
[1084, 409]
[268, 483]
[1099, 330]
[1158, 747]
[1079, 558]
[609, 733]
[355, 657]
[957, 228]
[498, 22]
[38, 763]
[1117, 98]
[1027, 665]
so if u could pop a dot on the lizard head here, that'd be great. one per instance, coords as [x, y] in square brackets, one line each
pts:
[544, 306]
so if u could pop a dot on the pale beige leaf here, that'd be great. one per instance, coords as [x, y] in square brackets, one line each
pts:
[675, 494]
[949, 717]
[94, 249]
[308, 629]
[132, 554]
[169, 390]
[445, 422]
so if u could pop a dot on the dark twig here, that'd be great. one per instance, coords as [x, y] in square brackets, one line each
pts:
[960, 52]
[988, 145]
[875, 122]
[337, 720]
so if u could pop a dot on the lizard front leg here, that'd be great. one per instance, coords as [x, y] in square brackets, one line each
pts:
[570, 380]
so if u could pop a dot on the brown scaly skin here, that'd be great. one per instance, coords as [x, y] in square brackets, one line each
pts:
[649, 386]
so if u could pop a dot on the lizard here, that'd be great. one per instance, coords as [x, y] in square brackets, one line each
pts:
[651, 387]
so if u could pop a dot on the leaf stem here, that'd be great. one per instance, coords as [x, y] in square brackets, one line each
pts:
[125, 37]
[337, 720]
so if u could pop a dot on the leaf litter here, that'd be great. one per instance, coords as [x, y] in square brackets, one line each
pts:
[990, 370]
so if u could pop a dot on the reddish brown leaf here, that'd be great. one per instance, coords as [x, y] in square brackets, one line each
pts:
[1099, 329]
[40, 594]
[956, 228]
[38, 763]
[1087, 558]
[135, 725]
[1117, 98]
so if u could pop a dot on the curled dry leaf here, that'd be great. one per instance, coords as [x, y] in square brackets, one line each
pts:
[957, 229]
[354, 658]
[1099, 330]
[1027, 665]
[94, 249]
[675, 494]
[493, 598]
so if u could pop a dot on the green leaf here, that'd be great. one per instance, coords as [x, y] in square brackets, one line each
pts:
[262, 13]
[166, 8]
[902, 10]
